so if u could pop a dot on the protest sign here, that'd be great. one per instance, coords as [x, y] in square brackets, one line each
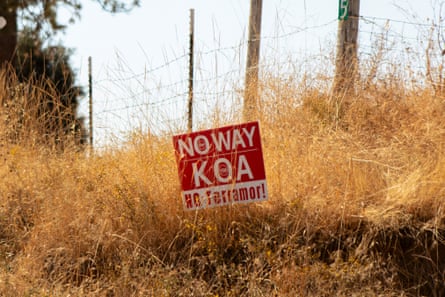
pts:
[221, 166]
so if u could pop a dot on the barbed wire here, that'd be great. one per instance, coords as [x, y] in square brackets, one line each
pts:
[158, 97]
[151, 70]
[367, 18]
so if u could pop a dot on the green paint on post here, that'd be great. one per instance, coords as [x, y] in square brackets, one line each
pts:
[343, 8]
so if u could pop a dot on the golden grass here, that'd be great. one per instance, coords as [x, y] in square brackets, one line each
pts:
[356, 208]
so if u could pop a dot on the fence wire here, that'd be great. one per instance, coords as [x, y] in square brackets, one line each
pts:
[155, 100]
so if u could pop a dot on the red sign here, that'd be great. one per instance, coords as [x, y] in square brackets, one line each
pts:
[221, 166]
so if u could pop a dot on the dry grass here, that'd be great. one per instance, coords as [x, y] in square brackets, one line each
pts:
[357, 192]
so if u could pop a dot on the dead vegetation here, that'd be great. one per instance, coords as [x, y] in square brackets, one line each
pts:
[356, 208]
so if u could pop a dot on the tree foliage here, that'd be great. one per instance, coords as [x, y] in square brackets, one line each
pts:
[46, 92]
[42, 13]
[43, 99]
[42, 17]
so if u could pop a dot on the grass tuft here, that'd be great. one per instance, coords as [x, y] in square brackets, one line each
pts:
[356, 208]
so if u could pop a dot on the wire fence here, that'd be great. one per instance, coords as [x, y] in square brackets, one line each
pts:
[155, 100]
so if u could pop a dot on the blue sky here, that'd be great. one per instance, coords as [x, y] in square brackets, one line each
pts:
[130, 51]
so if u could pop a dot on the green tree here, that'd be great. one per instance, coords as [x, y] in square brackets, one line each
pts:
[43, 99]
[41, 15]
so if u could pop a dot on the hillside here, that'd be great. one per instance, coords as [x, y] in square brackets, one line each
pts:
[356, 208]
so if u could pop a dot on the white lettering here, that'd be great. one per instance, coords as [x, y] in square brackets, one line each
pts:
[229, 140]
[198, 174]
[202, 145]
[221, 141]
[237, 139]
[223, 170]
[250, 135]
[186, 146]
[243, 168]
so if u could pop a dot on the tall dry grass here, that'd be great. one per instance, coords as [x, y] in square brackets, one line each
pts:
[356, 208]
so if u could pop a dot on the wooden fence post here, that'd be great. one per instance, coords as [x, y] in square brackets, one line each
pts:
[253, 56]
[90, 105]
[346, 64]
[191, 66]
